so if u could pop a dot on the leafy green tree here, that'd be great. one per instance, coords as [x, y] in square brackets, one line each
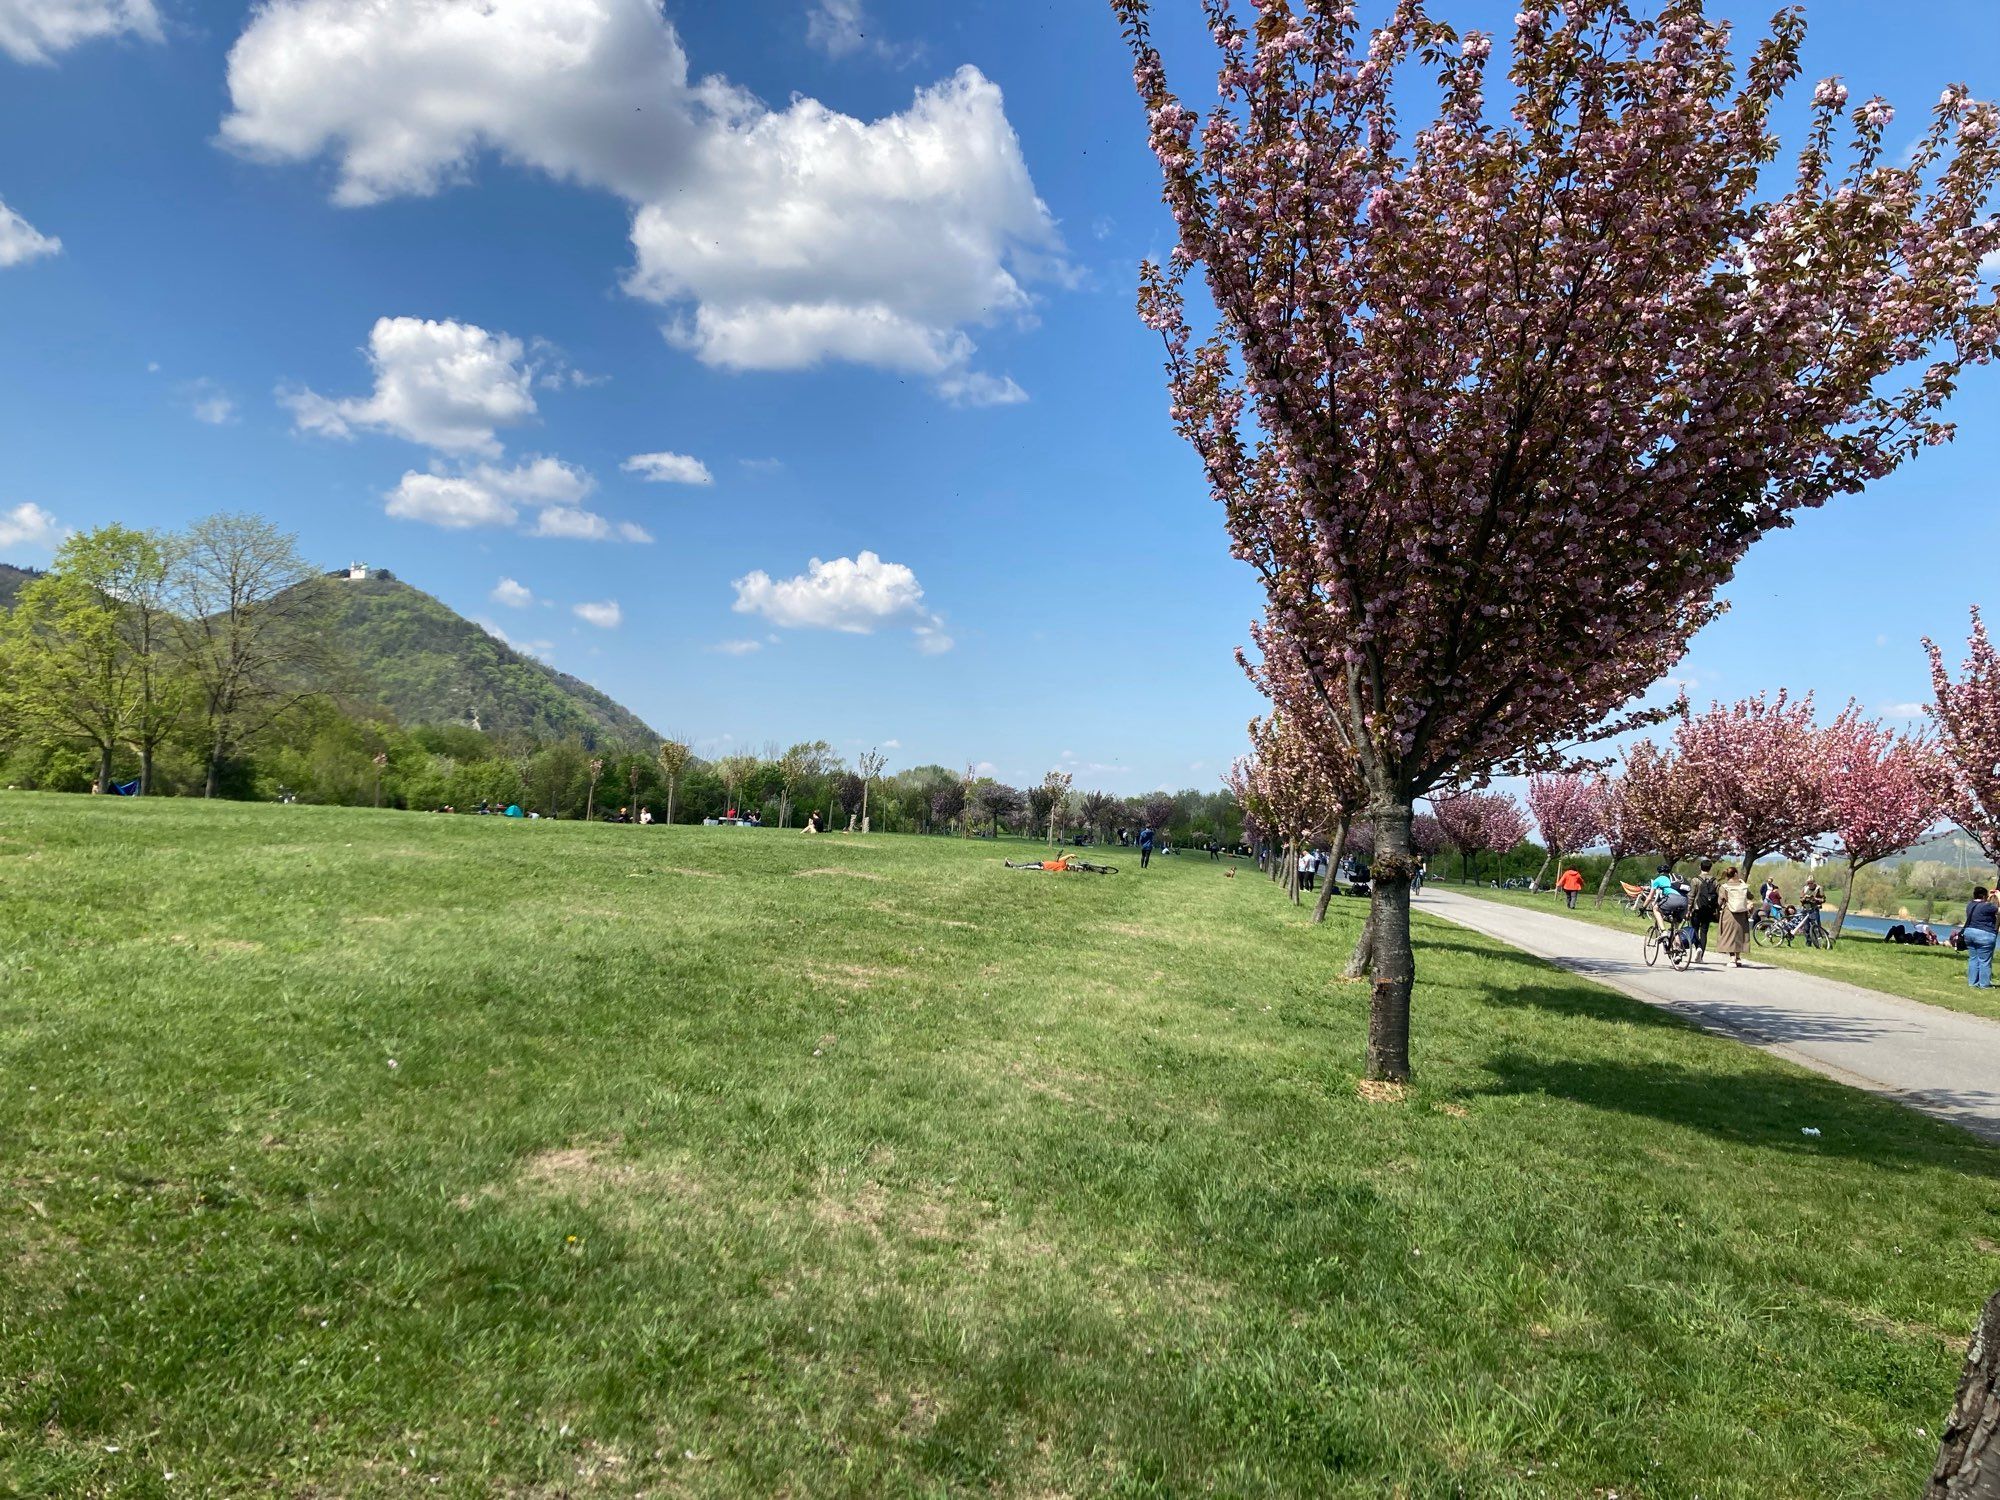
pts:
[249, 616]
[70, 672]
[676, 755]
[804, 762]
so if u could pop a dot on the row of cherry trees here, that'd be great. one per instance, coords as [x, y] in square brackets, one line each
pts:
[1757, 777]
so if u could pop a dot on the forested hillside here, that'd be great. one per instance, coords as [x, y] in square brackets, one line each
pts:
[428, 664]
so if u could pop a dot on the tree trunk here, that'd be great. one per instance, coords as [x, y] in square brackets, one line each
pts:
[590, 803]
[1393, 962]
[1547, 860]
[864, 807]
[1332, 870]
[146, 771]
[214, 768]
[1364, 945]
[670, 800]
[104, 769]
[1749, 864]
[1846, 900]
[1968, 1466]
[1605, 884]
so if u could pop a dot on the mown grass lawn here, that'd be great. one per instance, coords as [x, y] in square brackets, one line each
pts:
[355, 1153]
[1935, 976]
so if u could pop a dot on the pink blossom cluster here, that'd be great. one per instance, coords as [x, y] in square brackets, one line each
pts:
[1568, 808]
[1495, 406]
[1967, 718]
[1479, 822]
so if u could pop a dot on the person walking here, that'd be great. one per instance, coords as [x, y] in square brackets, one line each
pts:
[1145, 846]
[1734, 936]
[1982, 919]
[1308, 867]
[1570, 883]
[1422, 874]
[1704, 906]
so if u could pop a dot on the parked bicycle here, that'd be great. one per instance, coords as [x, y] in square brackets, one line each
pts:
[1771, 929]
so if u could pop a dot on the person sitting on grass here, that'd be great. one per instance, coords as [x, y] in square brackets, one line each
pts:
[812, 823]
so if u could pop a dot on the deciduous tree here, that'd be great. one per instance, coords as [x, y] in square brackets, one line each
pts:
[1477, 823]
[676, 755]
[1473, 392]
[1760, 763]
[249, 612]
[1882, 793]
[1055, 787]
[1967, 717]
[1568, 809]
[869, 767]
[1665, 803]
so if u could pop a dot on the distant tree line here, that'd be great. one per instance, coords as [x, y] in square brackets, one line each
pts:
[199, 663]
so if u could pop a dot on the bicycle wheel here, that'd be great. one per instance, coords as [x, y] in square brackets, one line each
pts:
[1763, 933]
[1681, 954]
[1652, 949]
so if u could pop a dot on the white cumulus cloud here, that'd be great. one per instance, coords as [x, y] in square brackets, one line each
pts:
[668, 468]
[20, 241]
[451, 501]
[605, 615]
[538, 481]
[28, 525]
[857, 595]
[737, 648]
[445, 385]
[778, 239]
[513, 595]
[36, 31]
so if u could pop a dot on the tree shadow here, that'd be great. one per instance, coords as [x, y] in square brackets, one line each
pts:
[1542, 986]
[1768, 1108]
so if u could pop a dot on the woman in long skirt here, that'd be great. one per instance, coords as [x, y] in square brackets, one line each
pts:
[1733, 935]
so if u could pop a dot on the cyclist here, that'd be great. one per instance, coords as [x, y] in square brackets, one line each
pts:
[1670, 900]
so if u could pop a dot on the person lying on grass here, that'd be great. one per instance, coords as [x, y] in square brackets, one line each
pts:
[1060, 864]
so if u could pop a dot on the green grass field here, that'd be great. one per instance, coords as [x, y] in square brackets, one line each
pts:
[1935, 976]
[363, 1154]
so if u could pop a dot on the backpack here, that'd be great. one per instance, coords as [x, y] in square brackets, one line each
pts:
[1707, 898]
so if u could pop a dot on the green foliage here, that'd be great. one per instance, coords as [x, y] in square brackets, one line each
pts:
[427, 664]
[869, 1167]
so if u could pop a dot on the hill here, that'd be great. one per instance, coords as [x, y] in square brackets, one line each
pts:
[428, 664]
[12, 581]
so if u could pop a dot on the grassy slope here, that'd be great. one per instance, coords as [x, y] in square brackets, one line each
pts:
[719, 1162]
[1933, 975]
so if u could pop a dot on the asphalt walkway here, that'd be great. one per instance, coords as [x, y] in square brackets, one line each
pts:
[1939, 1061]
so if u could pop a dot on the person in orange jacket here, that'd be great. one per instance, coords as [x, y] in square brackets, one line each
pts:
[1570, 883]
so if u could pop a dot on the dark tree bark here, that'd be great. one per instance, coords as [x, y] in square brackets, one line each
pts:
[1968, 1466]
[1605, 884]
[1364, 946]
[1846, 901]
[1332, 870]
[1393, 962]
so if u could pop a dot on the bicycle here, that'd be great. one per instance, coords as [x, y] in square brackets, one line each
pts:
[1677, 942]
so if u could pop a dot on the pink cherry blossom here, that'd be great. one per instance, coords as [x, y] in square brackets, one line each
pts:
[1494, 407]
[1967, 718]
[1883, 791]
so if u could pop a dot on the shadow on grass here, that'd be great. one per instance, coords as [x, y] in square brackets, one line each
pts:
[1765, 1108]
[1550, 987]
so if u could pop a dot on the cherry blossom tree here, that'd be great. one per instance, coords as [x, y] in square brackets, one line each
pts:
[1472, 392]
[1477, 823]
[1568, 809]
[1427, 840]
[1281, 674]
[1664, 805]
[1967, 718]
[1622, 834]
[1883, 792]
[1761, 767]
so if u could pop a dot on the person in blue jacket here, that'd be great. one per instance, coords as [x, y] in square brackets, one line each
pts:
[1145, 846]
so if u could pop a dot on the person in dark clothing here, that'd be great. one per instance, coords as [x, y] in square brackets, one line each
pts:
[1982, 920]
[1145, 846]
[1704, 906]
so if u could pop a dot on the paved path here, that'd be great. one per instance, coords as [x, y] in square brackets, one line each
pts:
[1939, 1061]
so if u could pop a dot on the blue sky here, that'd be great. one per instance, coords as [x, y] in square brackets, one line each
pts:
[368, 278]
